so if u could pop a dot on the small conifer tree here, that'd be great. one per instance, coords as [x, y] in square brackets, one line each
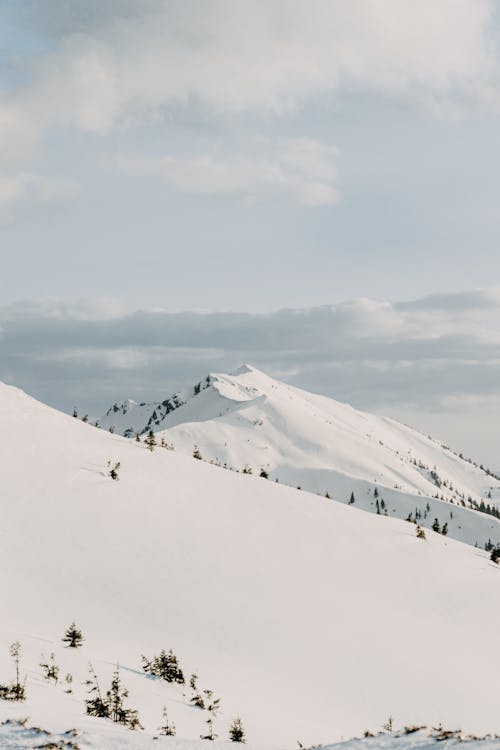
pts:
[352, 499]
[264, 474]
[69, 683]
[444, 530]
[212, 707]
[436, 526]
[197, 453]
[16, 691]
[420, 532]
[195, 698]
[167, 728]
[150, 441]
[113, 473]
[50, 669]
[236, 731]
[72, 637]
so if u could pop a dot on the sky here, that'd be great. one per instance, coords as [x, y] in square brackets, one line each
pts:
[323, 175]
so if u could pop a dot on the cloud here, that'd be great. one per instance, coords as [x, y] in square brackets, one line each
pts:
[111, 62]
[301, 167]
[369, 352]
[25, 191]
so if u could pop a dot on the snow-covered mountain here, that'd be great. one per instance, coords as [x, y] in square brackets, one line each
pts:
[249, 421]
[311, 620]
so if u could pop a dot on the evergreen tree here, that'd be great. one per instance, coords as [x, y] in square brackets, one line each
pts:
[212, 706]
[420, 533]
[435, 526]
[85, 418]
[195, 698]
[69, 683]
[495, 554]
[50, 670]
[165, 666]
[114, 471]
[351, 499]
[137, 438]
[378, 506]
[150, 441]
[16, 691]
[167, 729]
[75, 413]
[73, 637]
[236, 731]
[95, 704]
[444, 530]
[196, 453]
[264, 474]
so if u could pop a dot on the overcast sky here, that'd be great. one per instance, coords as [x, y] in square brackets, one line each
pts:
[250, 156]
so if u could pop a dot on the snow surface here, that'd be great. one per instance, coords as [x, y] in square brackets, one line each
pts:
[311, 620]
[322, 445]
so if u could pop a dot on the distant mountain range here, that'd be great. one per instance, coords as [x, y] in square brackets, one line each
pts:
[247, 421]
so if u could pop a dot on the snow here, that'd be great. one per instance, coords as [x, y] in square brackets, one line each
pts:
[312, 620]
[319, 444]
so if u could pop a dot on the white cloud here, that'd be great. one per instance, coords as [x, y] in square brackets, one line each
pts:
[301, 167]
[26, 190]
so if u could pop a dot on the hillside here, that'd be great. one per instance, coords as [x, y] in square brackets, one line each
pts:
[311, 620]
[251, 420]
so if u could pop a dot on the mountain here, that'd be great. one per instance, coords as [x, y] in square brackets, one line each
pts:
[311, 620]
[249, 421]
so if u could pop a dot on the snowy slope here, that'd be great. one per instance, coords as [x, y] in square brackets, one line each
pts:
[249, 419]
[310, 619]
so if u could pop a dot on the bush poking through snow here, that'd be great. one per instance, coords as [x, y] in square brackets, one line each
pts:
[73, 637]
[16, 691]
[111, 706]
[197, 453]
[420, 533]
[236, 731]
[150, 441]
[196, 698]
[167, 729]
[50, 669]
[212, 707]
[495, 555]
[113, 472]
[164, 666]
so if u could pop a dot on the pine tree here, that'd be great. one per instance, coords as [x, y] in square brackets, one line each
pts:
[114, 471]
[137, 438]
[495, 555]
[444, 530]
[69, 683]
[420, 533]
[264, 474]
[167, 729]
[389, 725]
[195, 698]
[150, 441]
[236, 731]
[165, 666]
[196, 453]
[352, 499]
[95, 703]
[16, 691]
[212, 706]
[73, 637]
[85, 418]
[435, 526]
[75, 413]
[50, 670]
